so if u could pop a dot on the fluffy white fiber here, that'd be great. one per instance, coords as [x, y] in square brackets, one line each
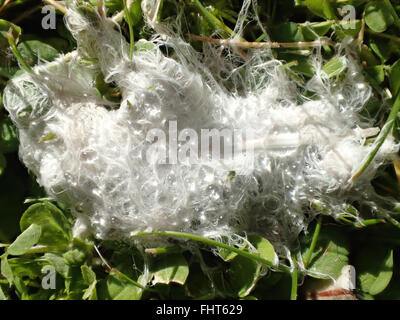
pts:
[91, 154]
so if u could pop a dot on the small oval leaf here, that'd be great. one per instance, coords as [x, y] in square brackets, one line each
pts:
[172, 268]
[374, 265]
[25, 240]
[377, 16]
[56, 230]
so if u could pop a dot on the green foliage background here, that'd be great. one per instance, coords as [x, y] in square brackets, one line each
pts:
[36, 232]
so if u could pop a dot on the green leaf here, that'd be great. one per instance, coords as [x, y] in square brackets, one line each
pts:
[377, 73]
[27, 267]
[342, 32]
[381, 48]
[303, 64]
[75, 284]
[264, 248]
[6, 269]
[243, 275]
[171, 268]
[32, 50]
[89, 277]
[136, 12]
[226, 254]
[334, 67]
[117, 288]
[312, 31]
[391, 292]
[56, 230]
[25, 240]
[394, 78]
[144, 45]
[287, 32]
[374, 266]
[274, 286]
[367, 56]
[378, 16]
[2, 294]
[59, 264]
[75, 257]
[330, 254]
[21, 288]
[321, 8]
[6, 26]
[8, 136]
[198, 283]
[88, 274]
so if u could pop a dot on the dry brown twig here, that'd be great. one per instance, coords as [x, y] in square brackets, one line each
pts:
[4, 6]
[264, 45]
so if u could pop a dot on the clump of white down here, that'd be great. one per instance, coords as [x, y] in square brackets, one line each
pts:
[93, 158]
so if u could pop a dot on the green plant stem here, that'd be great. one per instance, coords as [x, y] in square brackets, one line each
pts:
[369, 222]
[17, 54]
[260, 38]
[163, 250]
[313, 241]
[389, 218]
[194, 237]
[130, 26]
[293, 292]
[379, 140]
[213, 20]
[137, 284]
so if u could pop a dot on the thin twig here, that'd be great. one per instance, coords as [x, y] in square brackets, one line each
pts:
[4, 6]
[263, 45]
[26, 14]
[111, 269]
[102, 258]
[57, 5]
[100, 8]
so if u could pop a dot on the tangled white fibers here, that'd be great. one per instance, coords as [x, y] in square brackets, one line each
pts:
[106, 162]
